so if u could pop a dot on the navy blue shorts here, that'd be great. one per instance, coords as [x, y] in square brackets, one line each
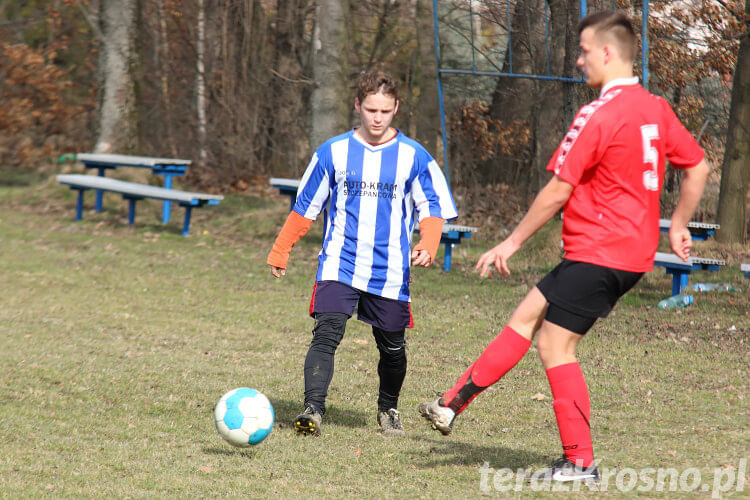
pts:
[387, 314]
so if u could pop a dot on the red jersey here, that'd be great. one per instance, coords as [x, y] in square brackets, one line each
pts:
[614, 156]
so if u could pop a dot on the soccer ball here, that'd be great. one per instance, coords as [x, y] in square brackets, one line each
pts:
[244, 417]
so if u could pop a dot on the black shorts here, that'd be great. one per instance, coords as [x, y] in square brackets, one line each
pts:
[579, 293]
[387, 314]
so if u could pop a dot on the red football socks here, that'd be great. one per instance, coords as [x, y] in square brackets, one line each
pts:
[572, 410]
[502, 354]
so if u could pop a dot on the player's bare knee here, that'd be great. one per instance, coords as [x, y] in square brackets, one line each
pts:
[547, 350]
[555, 347]
[528, 316]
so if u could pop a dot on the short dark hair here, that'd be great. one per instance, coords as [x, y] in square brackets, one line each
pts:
[617, 25]
[374, 82]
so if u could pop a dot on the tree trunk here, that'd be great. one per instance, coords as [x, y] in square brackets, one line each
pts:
[548, 114]
[118, 124]
[200, 83]
[517, 99]
[572, 92]
[330, 100]
[512, 98]
[162, 61]
[735, 172]
[3, 6]
[428, 112]
[548, 107]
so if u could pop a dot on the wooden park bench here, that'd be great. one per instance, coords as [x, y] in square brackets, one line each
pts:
[680, 270]
[134, 192]
[453, 234]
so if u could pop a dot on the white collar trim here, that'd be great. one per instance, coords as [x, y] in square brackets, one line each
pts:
[373, 147]
[618, 82]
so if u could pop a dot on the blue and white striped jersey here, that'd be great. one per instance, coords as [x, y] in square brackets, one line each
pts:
[373, 192]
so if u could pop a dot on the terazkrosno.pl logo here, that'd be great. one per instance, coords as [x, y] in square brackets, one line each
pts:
[728, 479]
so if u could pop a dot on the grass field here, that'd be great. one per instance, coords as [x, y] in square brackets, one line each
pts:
[116, 342]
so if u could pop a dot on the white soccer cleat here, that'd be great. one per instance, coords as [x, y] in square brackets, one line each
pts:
[441, 417]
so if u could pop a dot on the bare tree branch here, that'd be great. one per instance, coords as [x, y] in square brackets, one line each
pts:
[379, 35]
[91, 19]
[19, 23]
[3, 6]
[286, 79]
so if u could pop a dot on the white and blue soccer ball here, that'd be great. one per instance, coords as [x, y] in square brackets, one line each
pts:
[244, 417]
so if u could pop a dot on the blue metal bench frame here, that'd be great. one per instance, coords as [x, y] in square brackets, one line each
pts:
[287, 187]
[81, 185]
[681, 270]
[450, 238]
[452, 235]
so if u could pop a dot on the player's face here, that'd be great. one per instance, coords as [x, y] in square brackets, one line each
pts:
[592, 58]
[376, 112]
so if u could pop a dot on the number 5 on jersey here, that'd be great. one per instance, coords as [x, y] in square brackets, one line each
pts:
[650, 157]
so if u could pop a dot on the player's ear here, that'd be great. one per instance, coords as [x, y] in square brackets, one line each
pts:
[395, 108]
[356, 104]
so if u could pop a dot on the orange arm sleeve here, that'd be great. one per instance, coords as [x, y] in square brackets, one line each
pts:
[294, 229]
[430, 230]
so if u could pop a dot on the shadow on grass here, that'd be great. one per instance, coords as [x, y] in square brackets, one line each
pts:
[286, 411]
[227, 451]
[450, 452]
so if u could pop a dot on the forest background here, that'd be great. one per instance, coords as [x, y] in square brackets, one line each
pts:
[248, 88]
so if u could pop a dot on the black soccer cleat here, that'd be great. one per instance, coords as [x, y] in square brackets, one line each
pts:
[390, 422]
[308, 422]
[563, 470]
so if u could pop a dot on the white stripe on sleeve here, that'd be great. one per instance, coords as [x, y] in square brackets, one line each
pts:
[420, 200]
[308, 171]
[319, 199]
[447, 210]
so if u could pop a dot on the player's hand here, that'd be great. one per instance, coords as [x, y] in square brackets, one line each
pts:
[498, 257]
[421, 258]
[680, 241]
[278, 272]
